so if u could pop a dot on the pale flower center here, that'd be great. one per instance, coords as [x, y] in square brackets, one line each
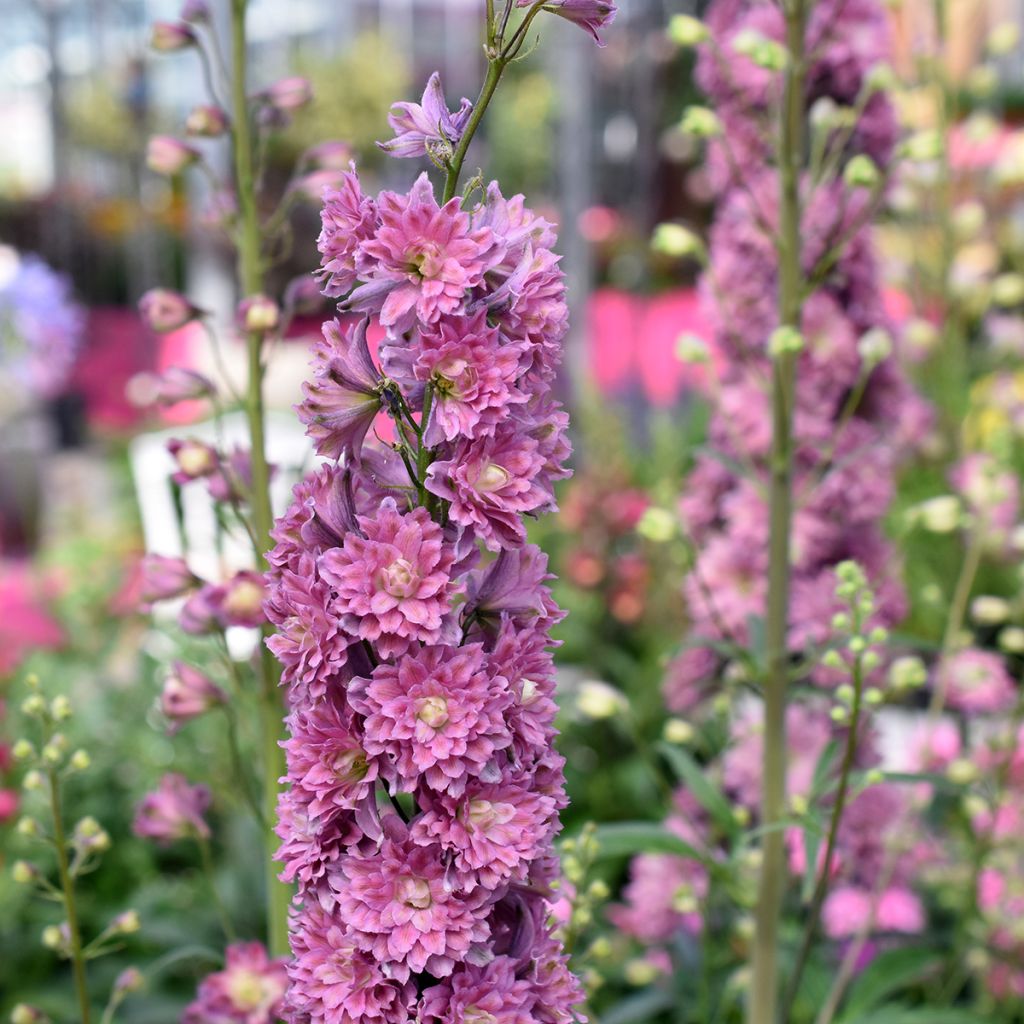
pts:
[246, 990]
[474, 1015]
[399, 578]
[350, 766]
[195, 459]
[433, 711]
[529, 691]
[414, 892]
[492, 477]
[244, 598]
[450, 377]
[480, 814]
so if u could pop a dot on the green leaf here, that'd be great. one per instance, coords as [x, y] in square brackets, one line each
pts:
[916, 1015]
[888, 973]
[624, 838]
[703, 789]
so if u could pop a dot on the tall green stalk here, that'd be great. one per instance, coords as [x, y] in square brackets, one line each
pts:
[764, 992]
[67, 888]
[250, 279]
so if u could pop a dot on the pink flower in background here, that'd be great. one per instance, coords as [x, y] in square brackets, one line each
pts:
[187, 694]
[249, 990]
[164, 577]
[976, 682]
[173, 811]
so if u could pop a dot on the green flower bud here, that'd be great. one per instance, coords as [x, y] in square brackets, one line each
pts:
[657, 524]
[1003, 39]
[760, 50]
[22, 750]
[861, 172]
[700, 122]
[874, 347]
[692, 349]
[785, 339]
[33, 706]
[80, 760]
[686, 31]
[33, 781]
[678, 241]
[28, 827]
[60, 708]
[678, 731]
[23, 872]
[1008, 290]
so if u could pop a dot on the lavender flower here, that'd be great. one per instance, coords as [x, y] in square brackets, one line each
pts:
[427, 128]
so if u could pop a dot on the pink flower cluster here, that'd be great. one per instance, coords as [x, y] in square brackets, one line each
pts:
[423, 788]
[855, 414]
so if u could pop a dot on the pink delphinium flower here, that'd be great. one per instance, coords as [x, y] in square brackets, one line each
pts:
[976, 682]
[435, 714]
[173, 811]
[473, 377]
[164, 577]
[588, 14]
[348, 218]
[421, 260]
[400, 907]
[474, 993]
[249, 990]
[391, 585]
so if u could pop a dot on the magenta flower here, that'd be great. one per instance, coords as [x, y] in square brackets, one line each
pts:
[173, 811]
[169, 156]
[333, 981]
[493, 830]
[391, 584]
[588, 14]
[435, 714]
[250, 989]
[976, 682]
[472, 376]
[473, 994]
[328, 768]
[187, 694]
[290, 94]
[401, 908]
[207, 121]
[422, 259]
[240, 600]
[348, 218]
[491, 482]
[427, 128]
[177, 384]
[342, 401]
[195, 459]
[309, 642]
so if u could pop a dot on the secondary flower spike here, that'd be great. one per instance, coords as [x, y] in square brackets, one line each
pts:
[424, 789]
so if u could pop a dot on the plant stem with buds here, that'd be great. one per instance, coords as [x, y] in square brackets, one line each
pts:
[764, 994]
[250, 277]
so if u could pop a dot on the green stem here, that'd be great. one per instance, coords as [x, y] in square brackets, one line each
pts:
[250, 276]
[60, 842]
[821, 887]
[494, 70]
[764, 992]
[211, 880]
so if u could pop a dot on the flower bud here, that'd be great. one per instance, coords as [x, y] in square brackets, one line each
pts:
[657, 524]
[169, 36]
[33, 706]
[873, 697]
[760, 50]
[785, 339]
[1011, 640]
[33, 781]
[675, 240]
[598, 700]
[28, 828]
[968, 220]
[880, 78]
[60, 708]
[169, 156]
[25, 1014]
[23, 872]
[692, 349]
[126, 923]
[923, 146]
[640, 973]
[1008, 290]
[861, 172]
[907, 673]
[163, 310]
[962, 772]
[939, 515]
[258, 314]
[700, 122]
[131, 979]
[206, 121]
[921, 335]
[188, 693]
[80, 760]
[177, 384]
[22, 750]
[54, 936]
[164, 577]
[290, 94]
[982, 81]
[1003, 39]
[874, 347]
[678, 731]
[242, 602]
[989, 610]
[685, 30]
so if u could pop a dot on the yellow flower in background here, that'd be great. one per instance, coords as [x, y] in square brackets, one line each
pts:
[995, 413]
